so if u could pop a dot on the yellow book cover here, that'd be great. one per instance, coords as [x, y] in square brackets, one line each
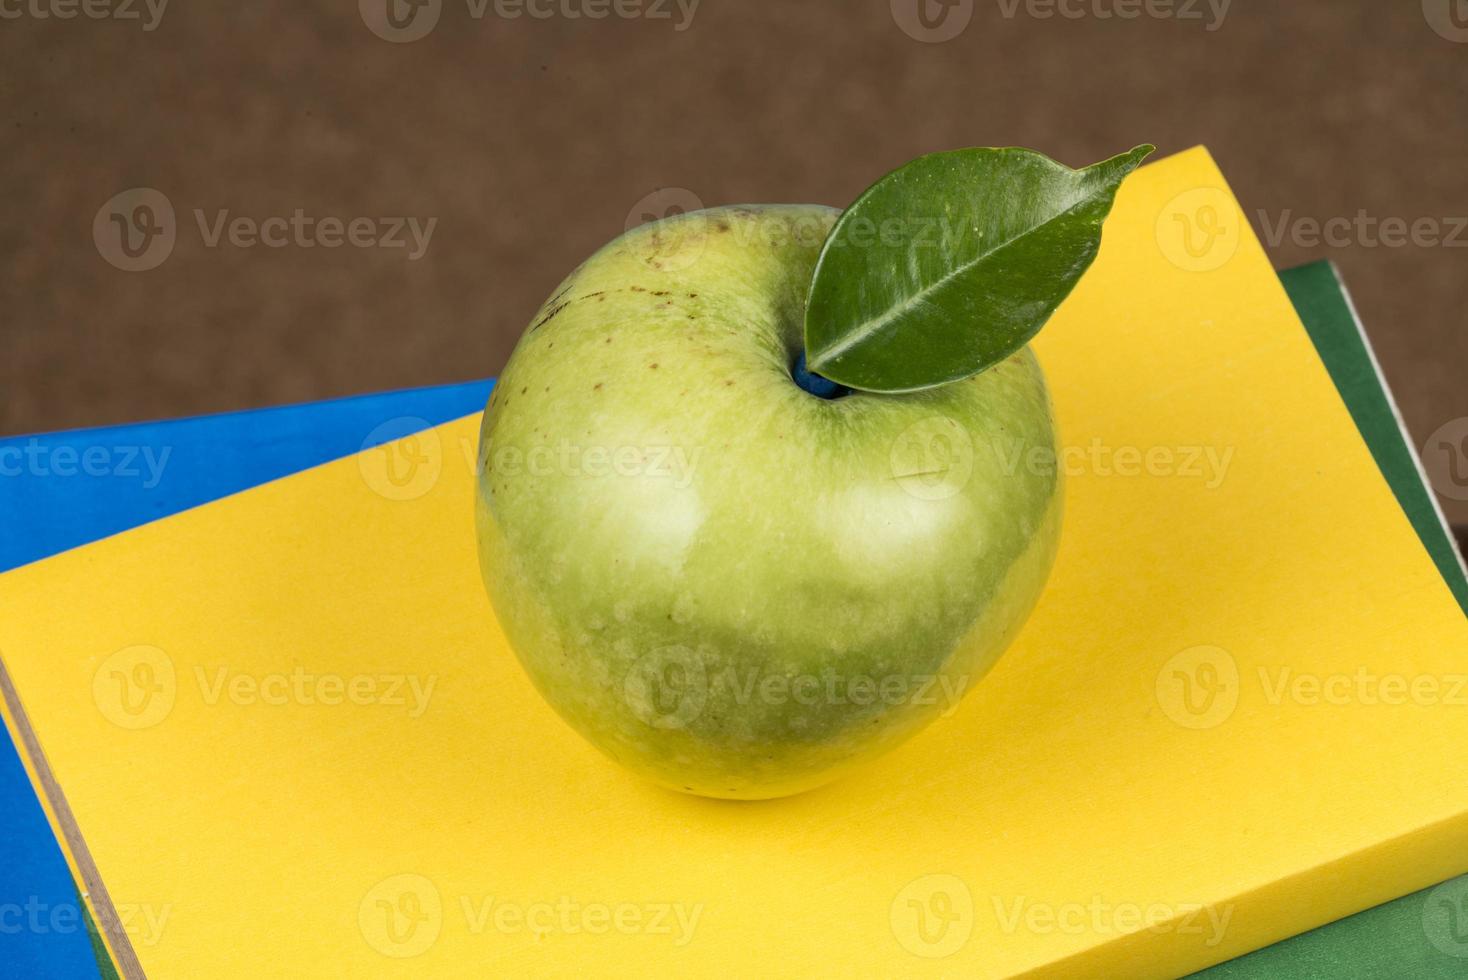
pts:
[282, 734]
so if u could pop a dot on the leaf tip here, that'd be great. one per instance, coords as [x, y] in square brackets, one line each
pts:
[1137, 154]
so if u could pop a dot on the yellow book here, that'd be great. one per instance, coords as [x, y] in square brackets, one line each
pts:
[282, 734]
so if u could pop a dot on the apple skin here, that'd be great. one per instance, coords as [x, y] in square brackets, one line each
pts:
[729, 585]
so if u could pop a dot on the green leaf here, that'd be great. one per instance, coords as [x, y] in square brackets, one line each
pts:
[952, 263]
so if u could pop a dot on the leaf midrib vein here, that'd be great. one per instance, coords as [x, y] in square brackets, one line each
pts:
[864, 332]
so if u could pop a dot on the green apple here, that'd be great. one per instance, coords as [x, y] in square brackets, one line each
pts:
[726, 583]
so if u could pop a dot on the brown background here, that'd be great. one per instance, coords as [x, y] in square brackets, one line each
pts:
[531, 140]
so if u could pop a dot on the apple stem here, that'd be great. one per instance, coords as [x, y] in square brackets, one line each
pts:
[809, 381]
